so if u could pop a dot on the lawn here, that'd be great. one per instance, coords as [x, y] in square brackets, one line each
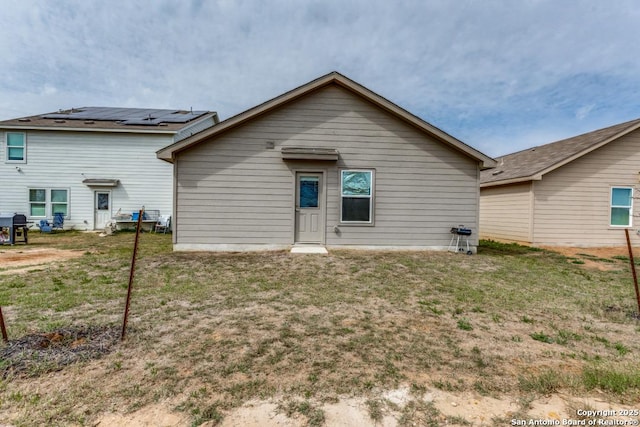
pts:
[209, 332]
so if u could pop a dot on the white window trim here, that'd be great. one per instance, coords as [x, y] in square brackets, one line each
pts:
[611, 206]
[48, 203]
[371, 197]
[6, 148]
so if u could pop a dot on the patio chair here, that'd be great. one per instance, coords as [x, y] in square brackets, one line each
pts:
[58, 221]
[44, 226]
[163, 224]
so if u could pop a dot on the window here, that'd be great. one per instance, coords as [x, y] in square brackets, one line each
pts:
[45, 202]
[16, 147]
[38, 202]
[356, 191]
[621, 206]
[59, 202]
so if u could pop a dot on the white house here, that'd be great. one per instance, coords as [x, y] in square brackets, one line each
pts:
[89, 163]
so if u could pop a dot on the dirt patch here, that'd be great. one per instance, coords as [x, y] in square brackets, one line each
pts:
[598, 258]
[21, 260]
[469, 408]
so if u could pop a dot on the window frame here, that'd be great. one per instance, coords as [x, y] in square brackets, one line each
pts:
[48, 202]
[36, 202]
[65, 203]
[24, 148]
[612, 206]
[370, 196]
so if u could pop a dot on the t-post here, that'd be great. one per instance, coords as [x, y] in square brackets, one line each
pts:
[133, 268]
[5, 338]
[633, 267]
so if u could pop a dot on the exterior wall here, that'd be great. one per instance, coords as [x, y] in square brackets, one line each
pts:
[234, 192]
[572, 203]
[59, 159]
[506, 213]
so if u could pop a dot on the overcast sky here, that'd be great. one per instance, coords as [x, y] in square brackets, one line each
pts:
[500, 75]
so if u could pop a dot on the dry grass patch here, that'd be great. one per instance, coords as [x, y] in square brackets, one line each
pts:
[213, 331]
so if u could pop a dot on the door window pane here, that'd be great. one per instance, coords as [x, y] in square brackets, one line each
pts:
[103, 201]
[309, 192]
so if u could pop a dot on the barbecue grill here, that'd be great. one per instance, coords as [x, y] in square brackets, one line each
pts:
[459, 239]
[13, 228]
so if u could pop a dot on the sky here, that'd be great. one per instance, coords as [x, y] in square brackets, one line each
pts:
[499, 75]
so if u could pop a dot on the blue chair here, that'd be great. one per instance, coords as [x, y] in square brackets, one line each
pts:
[58, 221]
[44, 226]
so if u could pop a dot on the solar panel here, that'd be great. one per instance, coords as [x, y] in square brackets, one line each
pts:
[128, 116]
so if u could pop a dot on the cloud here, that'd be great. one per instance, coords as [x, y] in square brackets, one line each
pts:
[479, 70]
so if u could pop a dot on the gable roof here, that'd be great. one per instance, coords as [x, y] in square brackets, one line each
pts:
[148, 120]
[533, 163]
[334, 78]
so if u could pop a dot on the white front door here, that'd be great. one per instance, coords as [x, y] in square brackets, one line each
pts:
[309, 211]
[102, 209]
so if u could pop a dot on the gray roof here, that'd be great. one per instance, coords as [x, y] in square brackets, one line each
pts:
[534, 162]
[110, 118]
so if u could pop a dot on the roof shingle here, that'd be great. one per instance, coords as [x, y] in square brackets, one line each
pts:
[526, 164]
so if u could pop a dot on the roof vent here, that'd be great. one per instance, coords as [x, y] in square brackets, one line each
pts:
[60, 121]
[497, 173]
[24, 120]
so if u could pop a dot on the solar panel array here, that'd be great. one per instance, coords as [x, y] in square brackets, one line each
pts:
[127, 116]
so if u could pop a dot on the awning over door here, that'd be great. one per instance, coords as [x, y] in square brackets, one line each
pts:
[101, 182]
[309, 153]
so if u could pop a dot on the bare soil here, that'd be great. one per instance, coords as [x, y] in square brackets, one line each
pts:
[15, 260]
[353, 411]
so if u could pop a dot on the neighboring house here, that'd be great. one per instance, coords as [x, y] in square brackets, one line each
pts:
[580, 191]
[88, 163]
[329, 163]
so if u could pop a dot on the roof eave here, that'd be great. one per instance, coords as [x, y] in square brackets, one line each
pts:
[536, 177]
[168, 153]
[76, 129]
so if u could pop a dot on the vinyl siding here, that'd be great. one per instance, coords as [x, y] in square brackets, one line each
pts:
[572, 203]
[59, 159]
[505, 213]
[233, 190]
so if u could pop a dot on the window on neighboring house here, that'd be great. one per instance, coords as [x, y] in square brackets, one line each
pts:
[16, 147]
[59, 202]
[621, 206]
[45, 202]
[356, 191]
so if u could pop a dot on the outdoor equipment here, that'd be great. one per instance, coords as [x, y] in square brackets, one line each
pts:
[16, 228]
[459, 239]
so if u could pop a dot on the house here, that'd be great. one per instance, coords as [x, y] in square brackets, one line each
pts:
[329, 163]
[88, 163]
[580, 191]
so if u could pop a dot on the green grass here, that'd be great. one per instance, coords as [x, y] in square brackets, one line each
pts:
[210, 331]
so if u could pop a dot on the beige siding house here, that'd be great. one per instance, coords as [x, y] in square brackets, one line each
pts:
[329, 163]
[580, 191]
